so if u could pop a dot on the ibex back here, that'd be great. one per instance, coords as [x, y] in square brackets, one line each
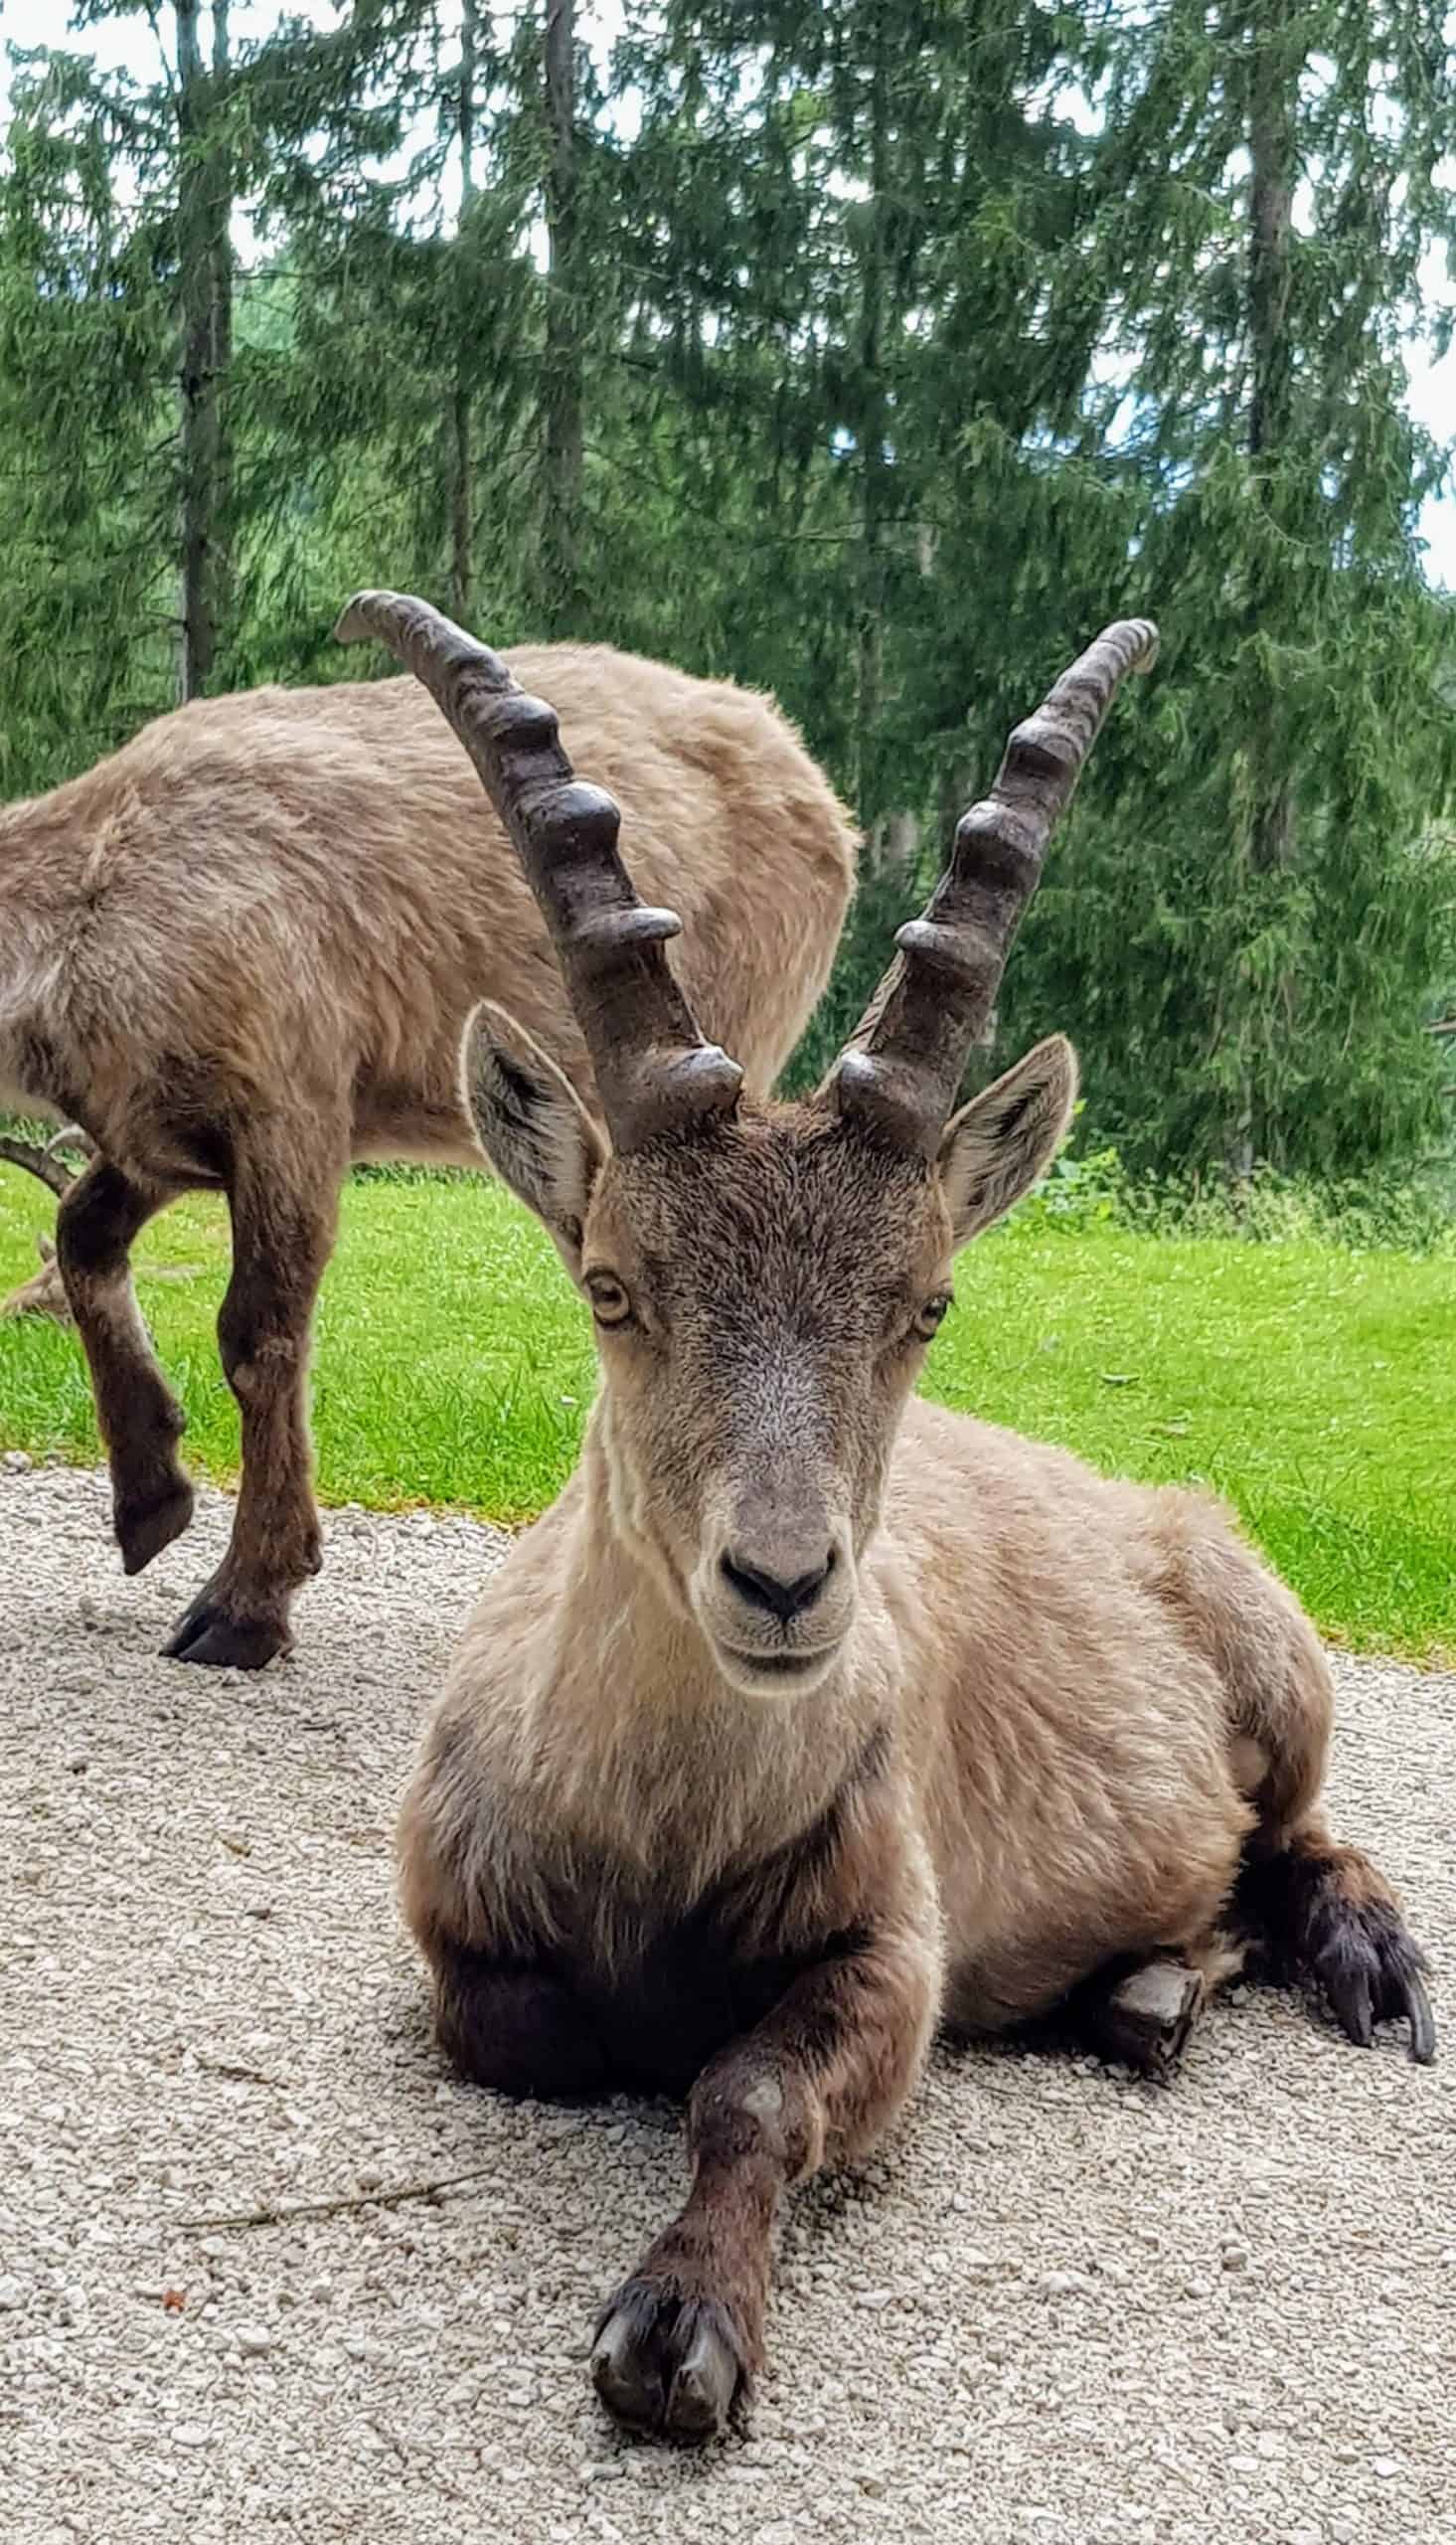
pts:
[810, 1717]
[242, 951]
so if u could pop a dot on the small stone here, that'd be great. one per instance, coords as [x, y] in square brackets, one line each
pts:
[1197, 2287]
[1063, 2284]
[10, 2291]
[189, 2435]
[1385, 2467]
[1235, 2257]
[1243, 2466]
[253, 2340]
[873, 2485]
[18, 1462]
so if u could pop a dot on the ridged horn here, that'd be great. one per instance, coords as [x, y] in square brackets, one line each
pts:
[901, 1067]
[653, 1068]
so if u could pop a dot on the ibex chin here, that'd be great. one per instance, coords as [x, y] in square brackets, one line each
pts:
[810, 1717]
[241, 952]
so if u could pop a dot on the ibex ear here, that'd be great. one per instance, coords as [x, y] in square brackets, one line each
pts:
[531, 1125]
[995, 1148]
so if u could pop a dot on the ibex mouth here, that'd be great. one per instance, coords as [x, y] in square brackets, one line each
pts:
[783, 1666]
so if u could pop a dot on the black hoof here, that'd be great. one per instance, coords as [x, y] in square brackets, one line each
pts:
[1143, 2018]
[149, 1522]
[1371, 1970]
[666, 2364]
[210, 1635]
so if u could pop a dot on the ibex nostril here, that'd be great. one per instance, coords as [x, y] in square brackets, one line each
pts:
[783, 1597]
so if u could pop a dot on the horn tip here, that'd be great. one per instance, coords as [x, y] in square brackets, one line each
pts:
[1148, 641]
[354, 621]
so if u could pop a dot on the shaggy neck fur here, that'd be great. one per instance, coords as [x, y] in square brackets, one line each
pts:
[634, 1740]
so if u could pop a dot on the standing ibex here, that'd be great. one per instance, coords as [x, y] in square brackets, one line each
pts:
[241, 952]
[811, 1717]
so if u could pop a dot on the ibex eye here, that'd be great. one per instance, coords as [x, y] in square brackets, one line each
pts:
[610, 1305]
[931, 1314]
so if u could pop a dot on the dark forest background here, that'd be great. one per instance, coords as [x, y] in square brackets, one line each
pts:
[875, 355]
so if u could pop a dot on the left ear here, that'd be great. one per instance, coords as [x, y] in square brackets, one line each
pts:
[995, 1148]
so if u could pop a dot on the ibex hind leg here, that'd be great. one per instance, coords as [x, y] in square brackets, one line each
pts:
[283, 1193]
[1320, 1915]
[139, 1418]
[1312, 1912]
[1315, 1914]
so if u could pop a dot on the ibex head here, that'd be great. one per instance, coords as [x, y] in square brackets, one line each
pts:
[763, 1280]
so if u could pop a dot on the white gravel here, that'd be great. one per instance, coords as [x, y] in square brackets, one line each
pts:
[1062, 2306]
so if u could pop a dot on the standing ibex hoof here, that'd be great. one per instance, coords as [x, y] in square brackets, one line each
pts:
[212, 1633]
[667, 2364]
[145, 1523]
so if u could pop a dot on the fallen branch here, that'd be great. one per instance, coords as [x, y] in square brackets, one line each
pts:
[285, 2212]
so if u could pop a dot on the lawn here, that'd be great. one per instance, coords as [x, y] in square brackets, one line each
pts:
[1313, 1386]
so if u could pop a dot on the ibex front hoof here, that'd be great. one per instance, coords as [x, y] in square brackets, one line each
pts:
[214, 1634]
[147, 1522]
[666, 2364]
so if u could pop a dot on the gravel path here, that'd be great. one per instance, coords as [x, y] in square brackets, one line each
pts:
[1062, 2306]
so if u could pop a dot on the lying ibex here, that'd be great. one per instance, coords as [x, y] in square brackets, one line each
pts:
[241, 953]
[44, 1294]
[811, 1717]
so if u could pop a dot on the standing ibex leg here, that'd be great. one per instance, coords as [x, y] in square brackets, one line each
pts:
[139, 1418]
[284, 1196]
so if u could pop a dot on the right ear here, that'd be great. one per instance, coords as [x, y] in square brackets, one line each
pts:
[531, 1125]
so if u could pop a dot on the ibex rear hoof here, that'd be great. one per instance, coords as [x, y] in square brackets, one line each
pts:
[146, 1523]
[207, 1634]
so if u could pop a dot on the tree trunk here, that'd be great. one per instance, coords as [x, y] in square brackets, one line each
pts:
[563, 471]
[1272, 99]
[872, 422]
[205, 300]
[462, 462]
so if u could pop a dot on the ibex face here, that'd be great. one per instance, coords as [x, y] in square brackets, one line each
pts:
[764, 1281]
[763, 1285]
[763, 1291]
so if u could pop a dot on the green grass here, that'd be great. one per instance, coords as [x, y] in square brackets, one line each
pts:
[1313, 1386]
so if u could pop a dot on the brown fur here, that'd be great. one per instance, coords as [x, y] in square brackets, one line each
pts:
[241, 952]
[1040, 1720]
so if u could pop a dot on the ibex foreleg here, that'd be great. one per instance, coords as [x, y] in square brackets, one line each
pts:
[819, 2080]
[283, 1198]
[139, 1418]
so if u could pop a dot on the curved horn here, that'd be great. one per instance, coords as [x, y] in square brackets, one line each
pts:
[653, 1068]
[38, 1160]
[903, 1064]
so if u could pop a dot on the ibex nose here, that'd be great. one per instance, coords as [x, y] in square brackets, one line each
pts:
[783, 1599]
